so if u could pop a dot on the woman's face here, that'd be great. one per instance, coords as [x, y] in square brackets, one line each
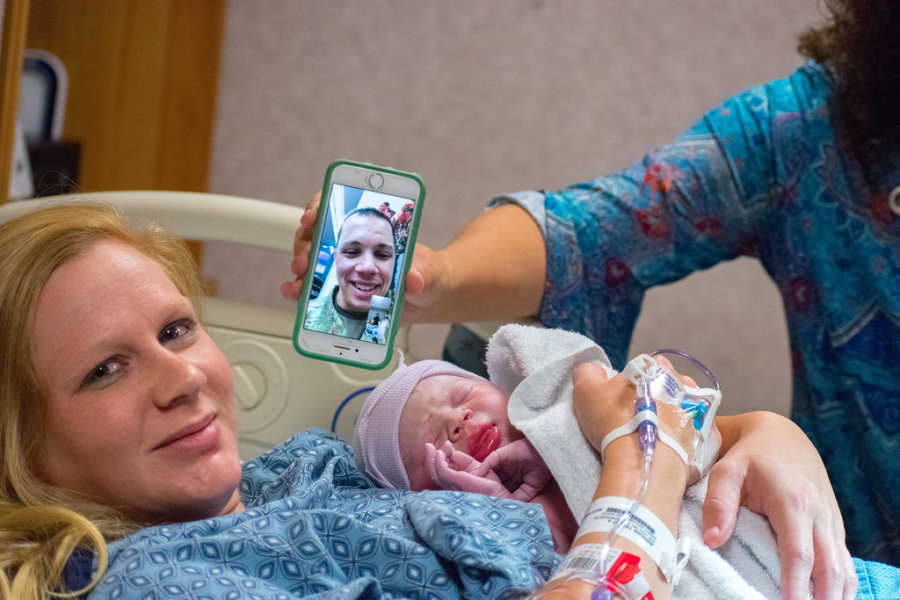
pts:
[364, 260]
[470, 413]
[140, 414]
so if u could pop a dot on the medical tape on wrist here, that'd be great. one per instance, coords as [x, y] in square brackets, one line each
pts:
[632, 425]
[701, 404]
[586, 561]
[642, 528]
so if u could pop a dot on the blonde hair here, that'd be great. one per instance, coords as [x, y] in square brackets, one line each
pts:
[41, 526]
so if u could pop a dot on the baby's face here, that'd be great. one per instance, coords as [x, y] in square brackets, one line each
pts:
[470, 413]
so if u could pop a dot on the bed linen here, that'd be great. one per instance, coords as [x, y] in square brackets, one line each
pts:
[315, 527]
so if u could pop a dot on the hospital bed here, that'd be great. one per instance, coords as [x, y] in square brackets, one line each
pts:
[314, 518]
[278, 392]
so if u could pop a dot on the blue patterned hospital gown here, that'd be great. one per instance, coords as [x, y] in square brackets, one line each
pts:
[316, 528]
[759, 176]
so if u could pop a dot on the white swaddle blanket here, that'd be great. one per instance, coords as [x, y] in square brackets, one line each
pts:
[534, 366]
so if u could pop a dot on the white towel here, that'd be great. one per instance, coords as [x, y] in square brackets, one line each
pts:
[534, 366]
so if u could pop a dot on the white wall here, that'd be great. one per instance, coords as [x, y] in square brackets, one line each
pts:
[483, 97]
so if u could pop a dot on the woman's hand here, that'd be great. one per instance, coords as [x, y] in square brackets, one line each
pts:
[772, 468]
[302, 240]
[601, 405]
[426, 284]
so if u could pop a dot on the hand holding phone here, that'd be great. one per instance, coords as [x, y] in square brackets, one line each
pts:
[360, 251]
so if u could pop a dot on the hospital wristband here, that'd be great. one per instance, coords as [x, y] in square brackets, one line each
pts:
[642, 528]
[586, 562]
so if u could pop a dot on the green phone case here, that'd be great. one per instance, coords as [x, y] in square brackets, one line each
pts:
[401, 287]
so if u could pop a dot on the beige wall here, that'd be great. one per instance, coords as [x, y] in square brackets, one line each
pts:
[483, 97]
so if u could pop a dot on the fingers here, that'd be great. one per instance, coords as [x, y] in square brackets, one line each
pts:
[430, 462]
[801, 526]
[829, 569]
[774, 470]
[415, 281]
[440, 470]
[794, 530]
[518, 452]
[520, 469]
[600, 404]
[304, 232]
[444, 474]
[587, 378]
[833, 571]
[461, 461]
[311, 209]
[494, 460]
[665, 363]
[526, 492]
[290, 290]
[723, 496]
[851, 584]
[308, 218]
[588, 374]
[533, 483]
[422, 287]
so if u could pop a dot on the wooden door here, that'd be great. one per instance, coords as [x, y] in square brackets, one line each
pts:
[143, 78]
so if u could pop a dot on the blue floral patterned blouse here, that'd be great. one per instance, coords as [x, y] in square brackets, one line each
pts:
[315, 527]
[760, 176]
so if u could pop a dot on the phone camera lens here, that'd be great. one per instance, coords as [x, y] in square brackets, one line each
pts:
[376, 181]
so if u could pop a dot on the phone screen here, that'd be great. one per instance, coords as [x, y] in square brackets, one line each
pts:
[358, 264]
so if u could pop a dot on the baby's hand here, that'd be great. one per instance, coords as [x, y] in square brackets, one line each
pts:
[520, 468]
[451, 469]
[513, 471]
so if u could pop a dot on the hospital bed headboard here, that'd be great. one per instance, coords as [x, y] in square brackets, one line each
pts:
[278, 392]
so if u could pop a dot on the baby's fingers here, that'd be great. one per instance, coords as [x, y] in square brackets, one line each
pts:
[463, 462]
[439, 469]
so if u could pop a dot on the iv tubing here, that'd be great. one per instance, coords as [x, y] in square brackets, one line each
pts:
[647, 438]
[647, 435]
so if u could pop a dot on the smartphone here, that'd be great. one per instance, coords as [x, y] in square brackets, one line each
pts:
[362, 247]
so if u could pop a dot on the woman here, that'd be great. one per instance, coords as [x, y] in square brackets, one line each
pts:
[364, 264]
[803, 173]
[118, 418]
[62, 481]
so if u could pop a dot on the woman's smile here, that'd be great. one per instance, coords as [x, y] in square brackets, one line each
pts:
[199, 436]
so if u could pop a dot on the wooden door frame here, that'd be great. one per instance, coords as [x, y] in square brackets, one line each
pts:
[15, 29]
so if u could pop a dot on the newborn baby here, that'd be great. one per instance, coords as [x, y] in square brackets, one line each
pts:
[432, 425]
[421, 427]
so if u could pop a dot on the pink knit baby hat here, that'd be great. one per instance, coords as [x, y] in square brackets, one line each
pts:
[375, 439]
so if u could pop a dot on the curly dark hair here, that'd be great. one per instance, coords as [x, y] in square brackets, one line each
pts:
[860, 45]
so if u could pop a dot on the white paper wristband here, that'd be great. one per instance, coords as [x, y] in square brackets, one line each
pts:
[642, 528]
